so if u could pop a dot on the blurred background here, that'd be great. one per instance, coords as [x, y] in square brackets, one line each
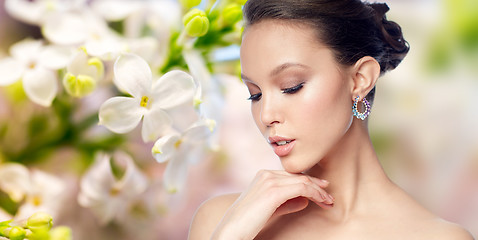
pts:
[423, 123]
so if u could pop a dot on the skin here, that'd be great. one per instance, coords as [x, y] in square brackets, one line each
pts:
[332, 186]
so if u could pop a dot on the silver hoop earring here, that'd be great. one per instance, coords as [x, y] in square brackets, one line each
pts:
[366, 104]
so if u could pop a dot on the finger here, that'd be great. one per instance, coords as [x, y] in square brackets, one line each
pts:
[328, 199]
[304, 179]
[307, 190]
[326, 206]
[268, 179]
[292, 205]
[321, 182]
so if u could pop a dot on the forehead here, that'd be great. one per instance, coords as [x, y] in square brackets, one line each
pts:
[270, 43]
[275, 32]
[282, 25]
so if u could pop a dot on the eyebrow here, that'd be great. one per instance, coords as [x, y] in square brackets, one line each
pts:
[244, 78]
[278, 69]
[285, 66]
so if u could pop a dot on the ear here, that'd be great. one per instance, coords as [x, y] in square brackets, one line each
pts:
[364, 75]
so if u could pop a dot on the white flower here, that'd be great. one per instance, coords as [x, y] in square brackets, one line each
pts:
[75, 27]
[110, 198]
[64, 22]
[106, 48]
[114, 10]
[149, 100]
[209, 97]
[14, 180]
[35, 65]
[46, 194]
[181, 150]
[110, 48]
[82, 74]
[159, 16]
[38, 190]
[164, 16]
[33, 12]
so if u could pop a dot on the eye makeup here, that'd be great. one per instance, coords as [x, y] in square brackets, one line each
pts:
[255, 97]
[288, 81]
[253, 88]
[293, 89]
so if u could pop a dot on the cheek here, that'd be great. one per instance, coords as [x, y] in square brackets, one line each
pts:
[327, 110]
[256, 115]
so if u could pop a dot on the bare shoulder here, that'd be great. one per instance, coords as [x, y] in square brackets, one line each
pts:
[430, 226]
[417, 222]
[440, 229]
[209, 214]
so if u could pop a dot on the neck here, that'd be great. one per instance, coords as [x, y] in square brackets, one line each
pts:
[354, 173]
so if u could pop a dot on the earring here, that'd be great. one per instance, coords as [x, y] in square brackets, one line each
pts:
[358, 114]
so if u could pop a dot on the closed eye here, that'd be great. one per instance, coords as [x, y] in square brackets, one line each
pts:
[293, 90]
[255, 97]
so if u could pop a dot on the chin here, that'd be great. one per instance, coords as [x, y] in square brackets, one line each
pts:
[292, 166]
[297, 164]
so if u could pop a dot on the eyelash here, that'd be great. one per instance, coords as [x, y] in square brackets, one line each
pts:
[255, 97]
[292, 90]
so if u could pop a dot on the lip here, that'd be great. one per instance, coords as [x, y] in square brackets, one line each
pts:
[283, 150]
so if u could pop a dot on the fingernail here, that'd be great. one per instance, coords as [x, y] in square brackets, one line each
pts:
[324, 181]
[331, 198]
[322, 196]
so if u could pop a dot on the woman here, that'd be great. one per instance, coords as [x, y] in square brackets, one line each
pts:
[311, 68]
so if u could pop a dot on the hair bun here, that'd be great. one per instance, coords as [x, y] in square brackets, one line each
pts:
[397, 47]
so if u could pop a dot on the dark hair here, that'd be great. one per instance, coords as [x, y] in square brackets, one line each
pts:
[351, 28]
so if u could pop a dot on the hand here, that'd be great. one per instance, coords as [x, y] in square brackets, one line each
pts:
[271, 194]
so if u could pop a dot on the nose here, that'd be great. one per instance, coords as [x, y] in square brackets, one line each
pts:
[270, 111]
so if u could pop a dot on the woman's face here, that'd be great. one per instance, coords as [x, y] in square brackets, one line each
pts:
[300, 96]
